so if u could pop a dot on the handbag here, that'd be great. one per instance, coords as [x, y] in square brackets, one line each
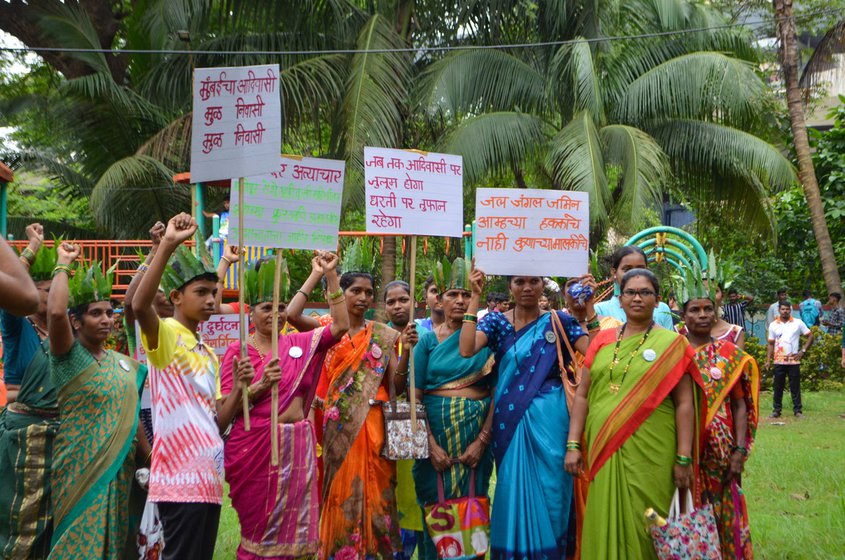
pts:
[400, 441]
[150, 538]
[459, 528]
[687, 535]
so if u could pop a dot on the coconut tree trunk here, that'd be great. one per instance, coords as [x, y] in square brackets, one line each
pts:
[806, 170]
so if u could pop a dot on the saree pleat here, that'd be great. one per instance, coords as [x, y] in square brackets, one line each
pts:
[27, 430]
[727, 496]
[278, 507]
[533, 498]
[455, 423]
[531, 507]
[93, 464]
[631, 442]
[359, 516]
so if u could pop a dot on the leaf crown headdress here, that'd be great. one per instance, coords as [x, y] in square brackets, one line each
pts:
[452, 276]
[184, 266]
[697, 284]
[258, 282]
[90, 285]
[358, 257]
[45, 261]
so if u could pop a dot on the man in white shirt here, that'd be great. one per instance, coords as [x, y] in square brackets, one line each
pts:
[786, 351]
[772, 313]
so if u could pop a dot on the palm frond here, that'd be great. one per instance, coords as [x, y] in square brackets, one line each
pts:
[481, 80]
[579, 82]
[575, 161]
[645, 167]
[722, 164]
[495, 142]
[821, 62]
[705, 85]
[133, 194]
[375, 91]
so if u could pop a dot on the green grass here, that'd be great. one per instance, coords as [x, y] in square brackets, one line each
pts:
[794, 483]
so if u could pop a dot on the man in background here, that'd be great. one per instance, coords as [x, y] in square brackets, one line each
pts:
[735, 308]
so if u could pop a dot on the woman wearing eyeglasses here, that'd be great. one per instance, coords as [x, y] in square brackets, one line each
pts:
[624, 259]
[637, 407]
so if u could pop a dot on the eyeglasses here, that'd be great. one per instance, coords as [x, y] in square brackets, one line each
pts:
[642, 293]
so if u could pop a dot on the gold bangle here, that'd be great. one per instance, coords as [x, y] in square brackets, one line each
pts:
[62, 268]
[402, 373]
[227, 260]
[336, 301]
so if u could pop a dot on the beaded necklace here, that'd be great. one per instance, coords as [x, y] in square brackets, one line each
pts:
[614, 387]
[254, 344]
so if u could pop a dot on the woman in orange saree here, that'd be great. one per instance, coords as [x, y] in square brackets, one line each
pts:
[359, 515]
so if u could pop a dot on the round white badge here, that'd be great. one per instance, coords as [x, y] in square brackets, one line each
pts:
[376, 351]
[295, 352]
[649, 355]
[715, 373]
[551, 338]
[123, 365]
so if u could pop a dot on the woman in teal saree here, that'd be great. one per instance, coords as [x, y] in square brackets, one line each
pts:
[456, 392]
[98, 394]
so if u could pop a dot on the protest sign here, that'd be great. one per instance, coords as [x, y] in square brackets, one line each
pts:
[532, 231]
[236, 123]
[297, 206]
[217, 333]
[413, 193]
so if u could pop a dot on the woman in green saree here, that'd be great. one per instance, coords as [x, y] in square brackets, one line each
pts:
[98, 395]
[637, 409]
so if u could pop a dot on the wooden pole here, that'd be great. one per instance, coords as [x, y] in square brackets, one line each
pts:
[412, 394]
[242, 311]
[274, 354]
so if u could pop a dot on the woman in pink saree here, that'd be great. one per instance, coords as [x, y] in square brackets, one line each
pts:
[278, 507]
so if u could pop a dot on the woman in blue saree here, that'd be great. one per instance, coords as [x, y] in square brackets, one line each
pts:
[99, 401]
[456, 395]
[533, 501]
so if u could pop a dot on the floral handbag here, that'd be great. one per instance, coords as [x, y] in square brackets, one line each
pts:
[400, 441]
[686, 536]
[459, 528]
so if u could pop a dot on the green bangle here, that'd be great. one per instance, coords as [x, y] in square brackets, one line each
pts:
[593, 325]
[470, 318]
[683, 460]
[335, 295]
[28, 255]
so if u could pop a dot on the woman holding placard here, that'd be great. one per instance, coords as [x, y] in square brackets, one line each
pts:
[359, 515]
[283, 524]
[456, 394]
[531, 507]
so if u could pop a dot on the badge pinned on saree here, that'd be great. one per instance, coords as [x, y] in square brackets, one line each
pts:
[123, 365]
[551, 338]
[649, 355]
[375, 351]
[715, 373]
[295, 352]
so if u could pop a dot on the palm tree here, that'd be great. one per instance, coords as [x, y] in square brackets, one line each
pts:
[679, 108]
[673, 109]
[832, 42]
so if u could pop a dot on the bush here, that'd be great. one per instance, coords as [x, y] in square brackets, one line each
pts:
[821, 368]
